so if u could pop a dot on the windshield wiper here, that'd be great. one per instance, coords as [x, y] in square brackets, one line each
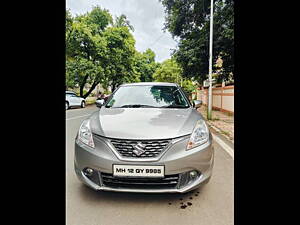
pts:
[175, 106]
[137, 106]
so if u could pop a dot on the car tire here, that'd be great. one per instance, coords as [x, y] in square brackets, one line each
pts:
[83, 104]
[67, 105]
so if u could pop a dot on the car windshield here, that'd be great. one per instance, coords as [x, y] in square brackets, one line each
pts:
[147, 96]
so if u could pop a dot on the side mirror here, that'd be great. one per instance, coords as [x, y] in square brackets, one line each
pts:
[197, 104]
[99, 102]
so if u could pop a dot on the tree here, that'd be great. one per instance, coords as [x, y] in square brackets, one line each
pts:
[97, 20]
[69, 22]
[189, 21]
[120, 54]
[145, 65]
[188, 86]
[169, 71]
[82, 71]
[98, 53]
[86, 49]
[121, 21]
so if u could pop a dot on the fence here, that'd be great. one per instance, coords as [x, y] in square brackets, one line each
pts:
[222, 98]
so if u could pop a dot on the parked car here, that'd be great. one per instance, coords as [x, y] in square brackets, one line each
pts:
[147, 137]
[72, 100]
[99, 102]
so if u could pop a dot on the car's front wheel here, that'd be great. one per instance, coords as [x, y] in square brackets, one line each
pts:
[82, 104]
[67, 105]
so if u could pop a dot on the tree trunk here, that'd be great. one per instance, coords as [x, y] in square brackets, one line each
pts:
[113, 87]
[82, 85]
[81, 90]
[91, 89]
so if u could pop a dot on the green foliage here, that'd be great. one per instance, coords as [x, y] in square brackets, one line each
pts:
[107, 92]
[189, 20]
[90, 101]
[97, 20]
[120, 54]
[188, 86]
[168, 71]
[69, 21]
[121, 21]
[78, 93]
[86, 49]
[82, 71]
[93, 94]
[145, 65]
[97, 53]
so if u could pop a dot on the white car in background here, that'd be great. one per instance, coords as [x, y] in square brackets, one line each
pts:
[72, 100]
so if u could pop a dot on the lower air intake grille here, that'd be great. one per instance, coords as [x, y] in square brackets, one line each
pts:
[169, 181]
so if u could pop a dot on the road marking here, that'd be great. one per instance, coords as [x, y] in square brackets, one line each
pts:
[76, 117]
[226, 147]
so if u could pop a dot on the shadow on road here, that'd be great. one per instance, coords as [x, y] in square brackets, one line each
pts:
[87, 194]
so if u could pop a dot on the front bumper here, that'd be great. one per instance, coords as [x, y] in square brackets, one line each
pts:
[176, 159]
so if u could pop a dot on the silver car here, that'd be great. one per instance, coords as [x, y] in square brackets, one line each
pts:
[72, 100]
[147, 137]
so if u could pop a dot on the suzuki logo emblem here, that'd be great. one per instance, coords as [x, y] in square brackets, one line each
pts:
[139, 149]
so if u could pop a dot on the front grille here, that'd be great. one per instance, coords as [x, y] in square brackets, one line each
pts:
[169, 181]
[150, 148]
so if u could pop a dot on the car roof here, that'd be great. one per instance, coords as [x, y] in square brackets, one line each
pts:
[150, 83]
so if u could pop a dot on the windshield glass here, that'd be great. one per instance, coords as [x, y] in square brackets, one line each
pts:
[148, 96]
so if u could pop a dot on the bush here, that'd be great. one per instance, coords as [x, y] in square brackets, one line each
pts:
[188, 87]
[78, 92]
[90, 101]
[106, 92]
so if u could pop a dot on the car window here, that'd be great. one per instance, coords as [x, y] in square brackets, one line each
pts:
[148, 96]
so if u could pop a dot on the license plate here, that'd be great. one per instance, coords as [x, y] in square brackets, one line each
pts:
[138, 171]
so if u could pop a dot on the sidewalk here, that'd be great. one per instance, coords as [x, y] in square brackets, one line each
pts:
[221, 122]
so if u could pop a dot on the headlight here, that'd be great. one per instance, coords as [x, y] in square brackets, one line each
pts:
[199, 135]
[85, 134]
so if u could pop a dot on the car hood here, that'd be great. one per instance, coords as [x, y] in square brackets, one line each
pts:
[144, 123]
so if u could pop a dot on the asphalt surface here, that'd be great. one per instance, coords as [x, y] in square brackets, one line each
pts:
[210, 205]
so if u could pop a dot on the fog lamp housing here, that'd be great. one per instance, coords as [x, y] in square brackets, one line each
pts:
[88, 172]
[188, 177]
[193, 174]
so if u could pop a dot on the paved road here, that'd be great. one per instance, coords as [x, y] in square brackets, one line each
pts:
[213, 205]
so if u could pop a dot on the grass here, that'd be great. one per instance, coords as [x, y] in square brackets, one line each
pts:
[90, 101]
[225, 132]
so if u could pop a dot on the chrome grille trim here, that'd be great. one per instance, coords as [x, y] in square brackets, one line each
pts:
[152, 149]
[107, 142]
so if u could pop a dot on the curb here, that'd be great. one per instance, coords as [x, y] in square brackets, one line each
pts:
[219, 131]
